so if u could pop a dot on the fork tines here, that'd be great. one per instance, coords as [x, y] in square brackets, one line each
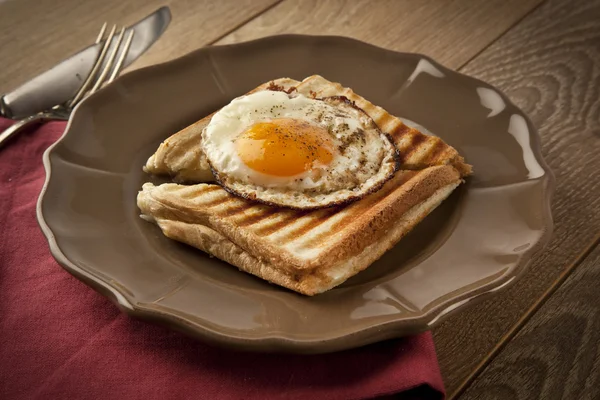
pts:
[97, 78]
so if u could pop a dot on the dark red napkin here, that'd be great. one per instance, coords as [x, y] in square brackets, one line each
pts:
[61, 340]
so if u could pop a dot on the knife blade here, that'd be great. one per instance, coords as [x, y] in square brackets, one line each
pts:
[60, 83]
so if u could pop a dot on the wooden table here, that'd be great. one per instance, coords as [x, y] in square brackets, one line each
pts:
[541, 337]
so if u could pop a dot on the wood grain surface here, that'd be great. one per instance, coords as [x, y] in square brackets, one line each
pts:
[557, 354]
[36, 34]
[452, 32]
[550, 67]
[546, 58]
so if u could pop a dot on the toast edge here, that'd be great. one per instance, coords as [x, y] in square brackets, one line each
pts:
[367, 226]
[316, 281]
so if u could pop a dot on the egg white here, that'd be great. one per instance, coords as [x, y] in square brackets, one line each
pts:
[363, 158]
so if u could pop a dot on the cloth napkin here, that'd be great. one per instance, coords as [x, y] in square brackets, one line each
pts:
[60, 339]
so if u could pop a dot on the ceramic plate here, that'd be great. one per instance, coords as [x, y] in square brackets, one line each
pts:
[477, 242]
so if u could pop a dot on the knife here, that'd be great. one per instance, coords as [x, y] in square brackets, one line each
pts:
[60, 83]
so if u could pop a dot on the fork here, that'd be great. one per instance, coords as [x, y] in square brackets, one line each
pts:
[93, 82]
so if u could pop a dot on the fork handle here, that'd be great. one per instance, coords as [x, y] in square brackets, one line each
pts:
[20, 125]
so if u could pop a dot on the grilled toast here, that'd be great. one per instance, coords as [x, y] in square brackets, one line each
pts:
[309, 252]
[306, 251]
[181, 158]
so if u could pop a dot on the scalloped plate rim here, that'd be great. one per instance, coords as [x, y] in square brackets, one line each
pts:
[274, 342]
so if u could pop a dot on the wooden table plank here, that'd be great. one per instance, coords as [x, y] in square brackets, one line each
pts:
[452, 32]
[550, 66]
[38, 34]
[557, 354]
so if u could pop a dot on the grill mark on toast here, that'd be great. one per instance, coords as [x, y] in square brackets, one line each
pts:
[393, 125]
[435, 152]
[217, 202]
[383, 120]
[270, 229]
[382, 195]
[236, 209]
[416, 140]
[312, 222]
[399, 132]
[253, 219]
[374, 200]
[317, 240]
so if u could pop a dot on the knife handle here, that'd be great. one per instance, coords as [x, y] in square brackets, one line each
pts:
[20, 126]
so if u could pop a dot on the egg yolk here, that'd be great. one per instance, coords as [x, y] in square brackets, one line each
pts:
[284, 147]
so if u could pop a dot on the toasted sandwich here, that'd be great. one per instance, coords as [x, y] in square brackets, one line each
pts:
[306, 251]
[181, 158]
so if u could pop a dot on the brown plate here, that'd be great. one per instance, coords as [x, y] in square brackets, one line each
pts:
[478, 241]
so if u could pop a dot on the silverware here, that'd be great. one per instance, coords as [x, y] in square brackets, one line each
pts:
[62, 82]
[97, 77]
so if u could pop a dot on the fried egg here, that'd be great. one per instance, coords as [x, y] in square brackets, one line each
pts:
[294, 151]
